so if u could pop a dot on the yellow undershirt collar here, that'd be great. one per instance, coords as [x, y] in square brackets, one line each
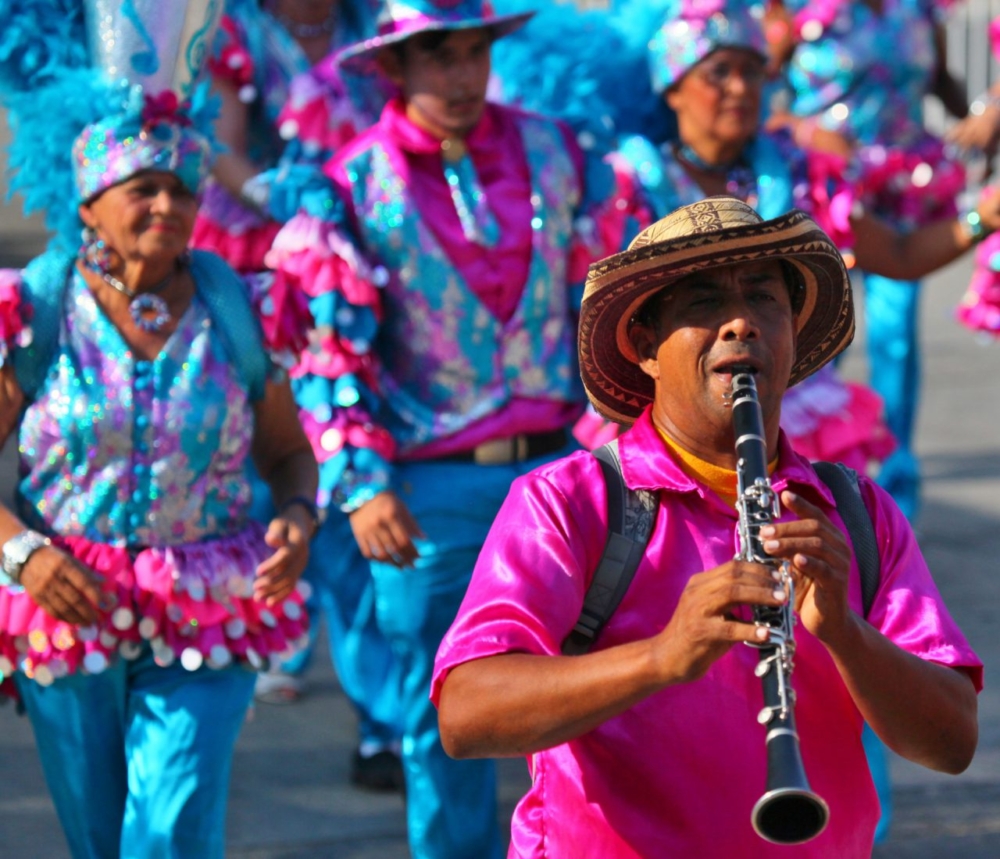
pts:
[722, 481]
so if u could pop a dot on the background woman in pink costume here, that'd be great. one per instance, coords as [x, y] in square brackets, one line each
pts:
[848, 74]
[979, 310]
[137, 597]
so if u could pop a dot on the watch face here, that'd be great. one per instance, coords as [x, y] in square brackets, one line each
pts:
[17, 550]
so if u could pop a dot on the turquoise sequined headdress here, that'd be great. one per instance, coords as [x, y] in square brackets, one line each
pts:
[693, 29]
[98, 90]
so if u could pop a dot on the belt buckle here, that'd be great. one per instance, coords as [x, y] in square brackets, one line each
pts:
[501, 451]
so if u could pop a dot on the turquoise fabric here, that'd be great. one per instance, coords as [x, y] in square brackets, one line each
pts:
[450, 805]
[137, 759]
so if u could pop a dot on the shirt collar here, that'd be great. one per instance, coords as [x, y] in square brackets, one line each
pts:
[647, 463]
[412, 138]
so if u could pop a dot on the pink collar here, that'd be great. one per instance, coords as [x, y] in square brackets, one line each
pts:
[648, 464]
[412, 138]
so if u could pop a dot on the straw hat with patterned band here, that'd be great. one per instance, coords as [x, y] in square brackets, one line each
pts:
[714, 232]
[401, 20]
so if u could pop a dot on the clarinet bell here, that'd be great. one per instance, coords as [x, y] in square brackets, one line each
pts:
[788, 812]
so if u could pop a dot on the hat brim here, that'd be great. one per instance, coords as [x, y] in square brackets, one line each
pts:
[617, 287]
[360, 58]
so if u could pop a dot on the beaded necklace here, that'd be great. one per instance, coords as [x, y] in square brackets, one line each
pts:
[740, 179]
[301, 31]
[149, 311]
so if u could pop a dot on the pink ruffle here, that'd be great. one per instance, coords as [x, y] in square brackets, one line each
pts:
[284, 316]
[994, 31]
[233, 62]
[322, 259]
[319, 112]
[244, 251]
[12, 312]
[979, 309]
[192, 602]
[853, 432]
[331, 356]
[329, 437]
[831, 198]
[916, 185]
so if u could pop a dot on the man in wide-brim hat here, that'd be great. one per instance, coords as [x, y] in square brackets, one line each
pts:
[649, 743]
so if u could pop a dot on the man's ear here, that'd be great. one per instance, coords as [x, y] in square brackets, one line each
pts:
[646, 343]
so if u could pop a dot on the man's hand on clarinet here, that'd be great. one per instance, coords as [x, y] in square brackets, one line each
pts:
[820, 560]
[705, 623]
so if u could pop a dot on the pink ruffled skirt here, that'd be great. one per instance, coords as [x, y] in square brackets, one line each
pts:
[829, 419]
[192, 603]
[979, 309]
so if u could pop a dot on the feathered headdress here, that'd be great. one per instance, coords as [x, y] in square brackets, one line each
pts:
[98, 90]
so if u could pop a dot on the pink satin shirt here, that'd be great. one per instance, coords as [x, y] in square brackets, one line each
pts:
[678, 773]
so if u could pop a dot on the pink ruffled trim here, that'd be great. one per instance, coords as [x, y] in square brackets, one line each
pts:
[192, 602]
[233, 63]
[918, 185]
[994, 31]
[328, 438]
[854, 432]
[831, 198]
[331, 357]
[284, 316]
[322, 259]
[244, 251]
[12, 312]
[979, 309]
[319, 113]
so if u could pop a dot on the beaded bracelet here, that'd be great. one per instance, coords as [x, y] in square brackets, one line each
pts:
[310, 507]
[972, 226]
[979, 105]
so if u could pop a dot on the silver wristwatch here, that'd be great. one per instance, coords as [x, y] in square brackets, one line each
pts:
[16, 552]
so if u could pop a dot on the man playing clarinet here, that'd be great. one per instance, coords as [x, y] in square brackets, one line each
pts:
[653, 743]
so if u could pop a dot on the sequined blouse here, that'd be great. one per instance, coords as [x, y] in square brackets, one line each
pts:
[857, 78]
[132, 452]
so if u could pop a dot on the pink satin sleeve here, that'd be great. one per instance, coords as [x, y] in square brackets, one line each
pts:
[528, 585]
[908, 608]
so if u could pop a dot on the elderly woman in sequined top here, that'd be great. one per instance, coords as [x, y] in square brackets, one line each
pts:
[137, 597]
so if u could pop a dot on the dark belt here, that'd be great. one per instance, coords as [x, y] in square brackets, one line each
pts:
[515, 448]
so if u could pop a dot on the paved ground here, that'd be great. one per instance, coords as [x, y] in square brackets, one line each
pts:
[290, 798]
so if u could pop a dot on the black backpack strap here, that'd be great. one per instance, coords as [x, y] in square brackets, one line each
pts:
[631, 515]
[843, 483]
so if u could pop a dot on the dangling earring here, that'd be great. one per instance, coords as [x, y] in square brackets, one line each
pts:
[94, 252]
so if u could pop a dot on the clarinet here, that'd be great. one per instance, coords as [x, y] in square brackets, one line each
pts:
[788, 812]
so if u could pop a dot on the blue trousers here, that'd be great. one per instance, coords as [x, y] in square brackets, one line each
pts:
[137, 758]
[343, 594]
[892, 320]
[451, 805]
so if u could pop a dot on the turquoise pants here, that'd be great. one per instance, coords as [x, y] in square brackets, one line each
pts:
[343, 594]
[137, 758]
[451, 805]
[892, 320]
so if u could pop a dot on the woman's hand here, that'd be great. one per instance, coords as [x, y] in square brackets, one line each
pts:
[978, 131]
[989, 209]
[62, 586]
[288, 534]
